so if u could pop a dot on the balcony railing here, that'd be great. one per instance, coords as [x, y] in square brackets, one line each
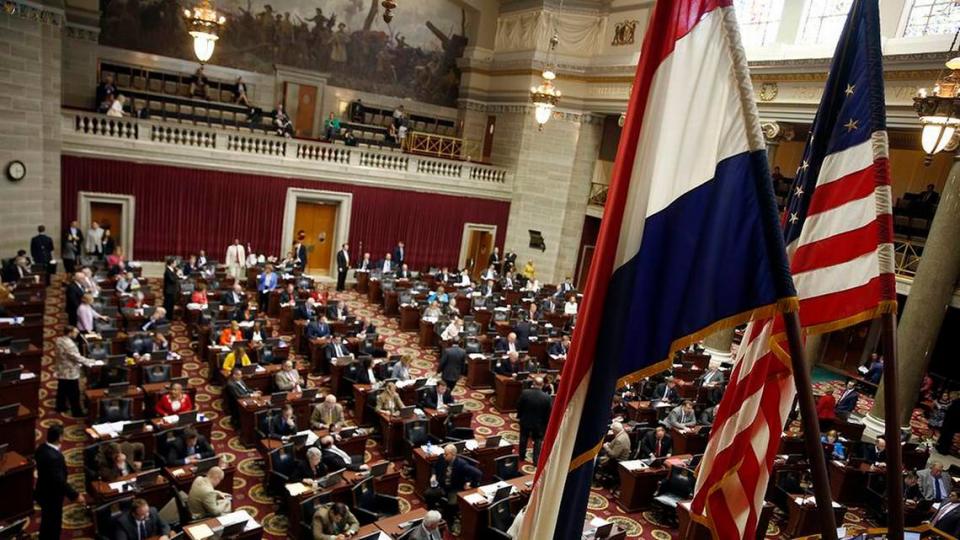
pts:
[430, 144]
[179, 144]
[598, 194]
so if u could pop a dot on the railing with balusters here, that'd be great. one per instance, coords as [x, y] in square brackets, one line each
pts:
[251, 151]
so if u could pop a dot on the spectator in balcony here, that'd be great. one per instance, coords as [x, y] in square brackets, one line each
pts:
[349, 139]
[116, 108]
[106, 92]
[398, 115]
[331, 127]
[198, 84]
[240, 92]
[282, 122]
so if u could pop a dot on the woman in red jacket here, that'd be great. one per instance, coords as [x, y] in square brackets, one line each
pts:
[174, 402]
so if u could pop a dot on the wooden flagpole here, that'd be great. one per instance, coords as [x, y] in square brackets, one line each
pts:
[811, 427]
[891, 410]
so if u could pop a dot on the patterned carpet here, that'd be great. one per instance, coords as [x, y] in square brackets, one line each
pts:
[249, 493]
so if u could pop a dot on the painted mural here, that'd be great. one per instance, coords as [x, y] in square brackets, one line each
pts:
[414, 56]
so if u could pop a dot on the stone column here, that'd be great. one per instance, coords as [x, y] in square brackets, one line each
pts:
[773, 134]
[718, 345]
[927, 303]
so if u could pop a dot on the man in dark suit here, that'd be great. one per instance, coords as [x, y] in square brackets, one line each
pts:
[522, 330]
[404, 272]
[666, 391]
[452, 363]
[306, 311]
[234, 297]
[451, 475]
[494, 260]
[284, 423]
[399, 254]
[74, 295]
[656, 444]
[560, 348]
[52, 485]
[947, 518]
[41, 250]
[848, 400]
[188, 448]
[336, 349]
[140, 523]
[71, 246]
[237, 389]
[876, 454]
[875, 370]
[343, 264]
[335, 459]
[431, 397]
[507, 345]
[311, 468]
[533, 412]
[318, 329]
[171, 287]
[300, 253]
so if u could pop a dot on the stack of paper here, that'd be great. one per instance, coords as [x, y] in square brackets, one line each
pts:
[27, 375]
[172, 419]
[297, 488]
[433, 450]
[200, 531]
[634, 464]
[475, 498]
[234, 517]
[472, 444]
[109, 429]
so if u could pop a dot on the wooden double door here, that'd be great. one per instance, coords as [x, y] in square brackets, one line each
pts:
[318, 222]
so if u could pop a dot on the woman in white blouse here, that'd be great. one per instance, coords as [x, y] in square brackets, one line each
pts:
[570, 306]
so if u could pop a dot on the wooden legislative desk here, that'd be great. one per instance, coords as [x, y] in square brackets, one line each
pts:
[387, 484]
[486, 457]
[354, 446]
[409, 318]
[147, 437]
[803, 519]
[391, 303]
[475, 517]
[391, 525]
[363, 280]
[637, 486]
[507, 393]
[157, 494]
[253, 533]
[642, 412]
[688, 442]
[16, 477]
[249, 406]
[374, 293]
[183, 476]
[391, 427]
[338, 367]
[361, 397]
[20, 431]
[438, 421]
[30, 358]
[135, 370]
[94, 396]
[847, 482]
[263, 380]
[29, 305]
[23, 391]
[31, 329]
[479, 372]
[427, 336]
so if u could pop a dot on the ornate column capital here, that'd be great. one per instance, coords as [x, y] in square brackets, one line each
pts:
[775, 132]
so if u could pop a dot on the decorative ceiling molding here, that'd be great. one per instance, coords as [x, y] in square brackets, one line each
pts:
[34, 12]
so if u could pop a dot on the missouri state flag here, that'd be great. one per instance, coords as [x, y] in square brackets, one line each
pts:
[689, 242]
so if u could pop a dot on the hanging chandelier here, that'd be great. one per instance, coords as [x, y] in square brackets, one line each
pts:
[545, 96]
[939, 109]
[388, 7]
[204, 24]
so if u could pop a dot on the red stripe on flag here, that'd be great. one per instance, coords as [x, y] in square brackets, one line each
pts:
[829, 308]
[834, 194]
[836, 249]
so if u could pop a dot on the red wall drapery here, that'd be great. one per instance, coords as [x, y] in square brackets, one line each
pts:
[180, 211]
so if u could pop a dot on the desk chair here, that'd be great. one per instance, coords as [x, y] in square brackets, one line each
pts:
[280, 462]
[307, 508]
[156, 373]
[264, 422]
[162, 442]
[183, 511]
[416, 433]
[499, 519]
[507, 467]
[370, 506]
[115, 410]
[673, 490]
[111, 375]
[91, 465]
[105, 515]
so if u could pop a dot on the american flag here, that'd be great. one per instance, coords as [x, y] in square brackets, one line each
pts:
[838, 229]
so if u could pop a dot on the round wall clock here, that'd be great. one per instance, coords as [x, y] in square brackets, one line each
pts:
[16, 170]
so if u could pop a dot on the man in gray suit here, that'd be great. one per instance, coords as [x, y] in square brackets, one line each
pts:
[934, 485]
[682, 417]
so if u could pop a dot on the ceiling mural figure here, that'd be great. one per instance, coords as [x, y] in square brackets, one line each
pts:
[414, 56]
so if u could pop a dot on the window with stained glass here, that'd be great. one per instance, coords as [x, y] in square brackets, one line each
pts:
[824, 21]
[759, 21]
[932, 17]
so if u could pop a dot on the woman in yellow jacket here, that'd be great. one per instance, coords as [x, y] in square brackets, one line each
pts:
[529, 271]
[231, 359]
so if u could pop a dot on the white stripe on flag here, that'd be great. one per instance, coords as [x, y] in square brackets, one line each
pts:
[849, 216]
[846, 162]
[839, 277]
[541, 517]
[692, 84]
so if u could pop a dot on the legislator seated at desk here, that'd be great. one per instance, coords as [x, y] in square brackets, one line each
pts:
[288, 378]
[436, 396]
[666, 392]
[189, 447]
[174, 402]
[318, 329]
[328, 414]
[833, 446]
[333, 521]
[310, 469]
[615, 450]
[119, 460]
[388, 400]
[682, 418]
[656, 444]
[512, 365]
[140, 523]
[204, 500]
[283, 424]
[237, 389]
[335, 459]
